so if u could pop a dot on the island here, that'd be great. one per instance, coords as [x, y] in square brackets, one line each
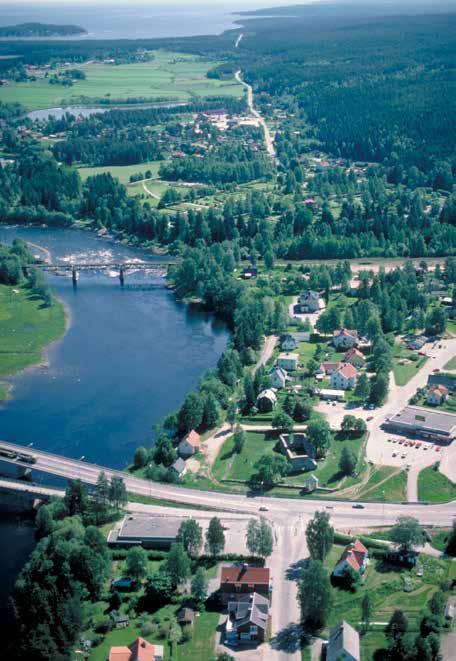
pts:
[34, 30]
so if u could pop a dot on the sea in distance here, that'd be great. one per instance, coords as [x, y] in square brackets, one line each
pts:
[133, 20]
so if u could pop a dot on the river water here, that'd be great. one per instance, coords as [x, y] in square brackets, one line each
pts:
[129, 357]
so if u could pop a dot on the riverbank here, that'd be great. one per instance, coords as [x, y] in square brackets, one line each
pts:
[27, 327]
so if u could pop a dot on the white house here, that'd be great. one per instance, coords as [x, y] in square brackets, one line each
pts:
[310, 483]
[355, 556]
[266, 400]
[190, 444]
[278, 377]
[437, 395]
[310, 301]
[343, 643]
[289, 343]
[288, 361]
[344, 378]
[345, 339]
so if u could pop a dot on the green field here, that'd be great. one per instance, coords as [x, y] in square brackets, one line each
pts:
[403, 373]
[433, 487]
[173, 76]
[385, 484]
[26, 327]
[232, 466]
[121, 172]
[451, 364]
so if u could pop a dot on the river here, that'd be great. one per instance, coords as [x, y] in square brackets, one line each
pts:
[129, 357]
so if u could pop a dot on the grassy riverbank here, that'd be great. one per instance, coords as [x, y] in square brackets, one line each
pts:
[26, 328]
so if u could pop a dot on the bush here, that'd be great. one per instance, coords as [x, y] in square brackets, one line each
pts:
[341, 538]
[104, 627]
[149, 628]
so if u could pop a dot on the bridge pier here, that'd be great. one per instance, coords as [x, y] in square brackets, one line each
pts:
[24, 473]
[121, 276]
[74, 276]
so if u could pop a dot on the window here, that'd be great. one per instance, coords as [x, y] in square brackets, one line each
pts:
[253, 630]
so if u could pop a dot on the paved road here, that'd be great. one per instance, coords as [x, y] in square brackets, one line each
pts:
[342, 513]
[267, 135]
[238, 41]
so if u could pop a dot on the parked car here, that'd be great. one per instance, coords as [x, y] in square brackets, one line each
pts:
[263, 508]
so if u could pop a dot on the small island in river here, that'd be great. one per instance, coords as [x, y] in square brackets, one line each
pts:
[34, 30]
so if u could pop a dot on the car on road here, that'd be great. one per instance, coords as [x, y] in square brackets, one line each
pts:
[369, 418]
[263, 508]
[436, 370]
[358, 506]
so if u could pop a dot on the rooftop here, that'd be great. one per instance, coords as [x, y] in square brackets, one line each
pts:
[193, 438]
[342, 638]
[245, 574]
[149, 527]
[427, 419]
[140, 650]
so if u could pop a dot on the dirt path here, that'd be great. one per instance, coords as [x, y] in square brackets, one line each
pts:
[267, 351]
[267, 135]
[149, 192]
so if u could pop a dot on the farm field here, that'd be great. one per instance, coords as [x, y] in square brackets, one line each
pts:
[121, 172]
[169, 76]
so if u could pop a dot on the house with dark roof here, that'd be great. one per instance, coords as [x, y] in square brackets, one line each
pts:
[179, 467]
[278, 377]
[238, 581]
[354, 556]
[248, 619]
[186, 617]
[343, 643]
[443, 379]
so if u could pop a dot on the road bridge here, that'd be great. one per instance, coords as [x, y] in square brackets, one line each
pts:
[158, 267]
[342, 513]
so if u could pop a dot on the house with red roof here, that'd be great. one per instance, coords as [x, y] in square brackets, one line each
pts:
[344, 378]
[345, 339]
[355, 556]
[190, 444]
[328, 368]
[140, 650]
[238, 581]
[437, 395]
[355, 357]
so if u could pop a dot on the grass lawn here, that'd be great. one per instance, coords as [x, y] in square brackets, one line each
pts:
[433, 487]
[121, 172]
[403, 373]
[26, 327]
[389, 588]
[385, 485]
[440, 540]
[173, 76]
[230, 465]
[451, 364]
